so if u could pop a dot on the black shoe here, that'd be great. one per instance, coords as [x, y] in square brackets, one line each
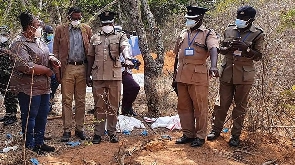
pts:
[184, 139]
[197, 142]
[10, 120]
[44, 147]
[47, 137]
[80, 134]
[66, 137]
[91, 111]
[234, 141]
[4, 118]
[114, 139]
[213, 135]
[96, 139]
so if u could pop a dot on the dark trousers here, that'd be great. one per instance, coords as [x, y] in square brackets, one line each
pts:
[228, 92]
[130, 91]
[54, 85]
[33, 123]
[10, 99]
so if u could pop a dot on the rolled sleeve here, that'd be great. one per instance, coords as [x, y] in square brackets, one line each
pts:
[24, 62]
[212, 40]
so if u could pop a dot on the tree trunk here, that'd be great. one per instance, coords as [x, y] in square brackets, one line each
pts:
[152, 68]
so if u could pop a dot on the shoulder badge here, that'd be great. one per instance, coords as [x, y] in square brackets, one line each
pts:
[257, 28]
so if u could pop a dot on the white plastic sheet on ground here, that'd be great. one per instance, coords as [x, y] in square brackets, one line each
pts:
[126, 123]
[170, 122]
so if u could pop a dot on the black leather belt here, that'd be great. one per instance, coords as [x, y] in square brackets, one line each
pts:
[76, 63]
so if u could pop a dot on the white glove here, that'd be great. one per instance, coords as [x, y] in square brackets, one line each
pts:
[54, 60]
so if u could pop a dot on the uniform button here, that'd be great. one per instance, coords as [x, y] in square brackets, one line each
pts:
[233, 64]
[105, 49]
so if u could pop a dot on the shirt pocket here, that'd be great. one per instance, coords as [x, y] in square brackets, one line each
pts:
[97, 45]
[248, 73]
[200, 74]
[200, 46]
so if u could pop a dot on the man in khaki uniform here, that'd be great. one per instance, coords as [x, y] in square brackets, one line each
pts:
[193, 47]
[241, 46]
[105, 66]
[71, 42]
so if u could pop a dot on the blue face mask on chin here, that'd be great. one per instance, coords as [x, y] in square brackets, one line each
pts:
[241, 23]
[49, 37]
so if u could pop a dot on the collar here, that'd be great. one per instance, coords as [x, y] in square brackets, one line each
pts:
[22, 38]
[252, 28]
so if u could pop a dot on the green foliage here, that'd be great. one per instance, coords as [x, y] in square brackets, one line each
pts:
[287, 19]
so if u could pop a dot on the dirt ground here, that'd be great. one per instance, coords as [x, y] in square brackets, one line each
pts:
[153, 149]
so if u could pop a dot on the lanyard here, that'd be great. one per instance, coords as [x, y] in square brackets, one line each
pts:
[245, 36]
[190, 42]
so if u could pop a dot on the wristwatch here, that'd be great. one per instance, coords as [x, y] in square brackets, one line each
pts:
[248, 50]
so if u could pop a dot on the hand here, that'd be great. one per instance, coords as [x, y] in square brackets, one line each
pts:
[89, 81]
[239, 45]
[128, 62]
[213, 72]
[54, 61]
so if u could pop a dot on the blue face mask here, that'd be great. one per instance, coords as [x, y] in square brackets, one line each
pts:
[190, 23]
[241, 23]
[49, 37]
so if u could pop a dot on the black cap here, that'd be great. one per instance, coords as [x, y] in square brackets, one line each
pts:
[107, 17]
[48, 29]
[246, 11]
[195, 11]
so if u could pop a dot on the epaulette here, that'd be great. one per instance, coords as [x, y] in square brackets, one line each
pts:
[257, 28]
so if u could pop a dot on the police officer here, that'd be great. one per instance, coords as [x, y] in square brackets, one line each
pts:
[194, 45]
[105, 67]
[242, 45]
[6, 64]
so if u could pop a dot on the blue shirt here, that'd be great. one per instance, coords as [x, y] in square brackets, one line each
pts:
[133, 41]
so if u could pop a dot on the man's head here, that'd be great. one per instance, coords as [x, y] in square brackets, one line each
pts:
[48, 33]
[4, 34]
[245, 17]
[195, 16]
[107, 21]
[75, 16]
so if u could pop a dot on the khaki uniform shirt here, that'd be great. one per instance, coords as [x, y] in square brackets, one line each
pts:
[106, 50]
[239, 69]
[193, 69]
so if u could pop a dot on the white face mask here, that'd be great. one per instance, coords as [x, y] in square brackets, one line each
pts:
[38, 32]
[107, 29]
[241, 23]
[75, 23]
[3, 39]
[191, 23]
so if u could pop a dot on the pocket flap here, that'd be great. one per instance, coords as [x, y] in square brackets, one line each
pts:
[96, 43]
[201, 69]
[248, 68]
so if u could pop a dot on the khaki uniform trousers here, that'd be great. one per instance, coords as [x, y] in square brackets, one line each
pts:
[73, 83]
[228, 92]
[193, 109]
[106, 95]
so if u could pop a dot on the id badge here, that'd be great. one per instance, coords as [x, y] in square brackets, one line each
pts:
[237, 53]
[189, 52]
